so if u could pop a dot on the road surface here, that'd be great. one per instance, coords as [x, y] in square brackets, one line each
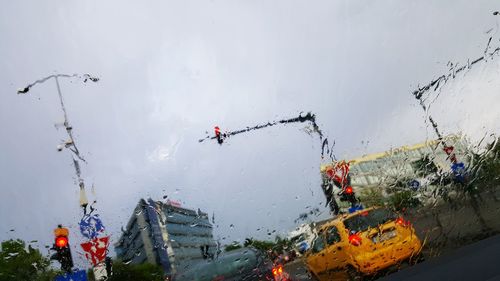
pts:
[475, 262]
[297, 270]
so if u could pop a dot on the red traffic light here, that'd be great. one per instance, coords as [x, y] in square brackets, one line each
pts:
[61, 241]
[349, 190]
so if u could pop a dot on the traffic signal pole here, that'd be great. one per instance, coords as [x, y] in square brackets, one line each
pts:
[346, 193]
[91, 226]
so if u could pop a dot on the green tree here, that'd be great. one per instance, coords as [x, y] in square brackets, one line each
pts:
[485, 168]
[281, 244]
[259, 244]
[278, 246]
[403, 200]
[18, 262]
[372, 197]
[133, 272]
[233, 246]
[483, 176]
[424, 166]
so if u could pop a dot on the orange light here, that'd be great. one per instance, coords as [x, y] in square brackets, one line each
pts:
[348, 190]
[355, 239]
[277, 270]
[399, 221]
[61, 241]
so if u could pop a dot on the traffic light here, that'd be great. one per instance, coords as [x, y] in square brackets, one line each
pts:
[330, 198]
[348, 195]
[218, 135]
[63, 251]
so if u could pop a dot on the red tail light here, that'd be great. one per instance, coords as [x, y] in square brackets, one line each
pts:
[355, 239]
[402, 222]
[277, 271]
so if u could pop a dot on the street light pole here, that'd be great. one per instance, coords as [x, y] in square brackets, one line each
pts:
[70, 143]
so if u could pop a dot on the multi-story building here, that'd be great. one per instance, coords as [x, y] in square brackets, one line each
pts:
[166, 234]
[384, 169]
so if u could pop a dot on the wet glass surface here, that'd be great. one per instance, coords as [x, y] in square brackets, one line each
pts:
[222, 140]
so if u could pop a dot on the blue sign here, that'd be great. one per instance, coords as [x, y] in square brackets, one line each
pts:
[303, 247]
[414, 184]
[355, 208]
[91, 226]
[459, 171]
[79, 275]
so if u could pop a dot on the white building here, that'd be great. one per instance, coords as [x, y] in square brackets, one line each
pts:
[403, 164]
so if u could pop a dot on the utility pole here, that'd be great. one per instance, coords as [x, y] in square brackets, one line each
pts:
[70, 142]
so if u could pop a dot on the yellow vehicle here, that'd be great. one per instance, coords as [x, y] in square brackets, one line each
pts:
[361, 244]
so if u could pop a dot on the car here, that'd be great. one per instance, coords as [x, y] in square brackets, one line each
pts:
[353, 246]
[301, 238]
[246, 264]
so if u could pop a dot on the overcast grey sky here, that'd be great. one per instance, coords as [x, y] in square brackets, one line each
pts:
[171, 70]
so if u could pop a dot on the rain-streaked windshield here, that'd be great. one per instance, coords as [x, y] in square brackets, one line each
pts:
[150, 140]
